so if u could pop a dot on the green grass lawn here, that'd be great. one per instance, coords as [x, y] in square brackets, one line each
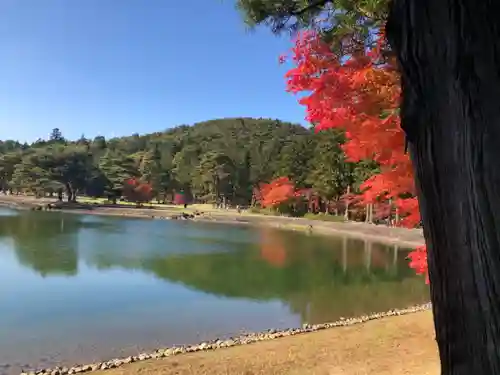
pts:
[90, 200]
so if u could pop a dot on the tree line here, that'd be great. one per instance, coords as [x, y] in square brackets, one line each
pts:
[217, 161]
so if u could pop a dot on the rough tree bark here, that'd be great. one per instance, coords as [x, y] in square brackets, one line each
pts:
[449, 56]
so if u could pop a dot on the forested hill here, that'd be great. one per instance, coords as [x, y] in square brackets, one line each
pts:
[214, 159]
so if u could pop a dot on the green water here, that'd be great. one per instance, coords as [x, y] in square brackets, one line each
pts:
[77, 288]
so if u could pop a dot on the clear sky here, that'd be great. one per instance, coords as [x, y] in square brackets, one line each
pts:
[115, 67]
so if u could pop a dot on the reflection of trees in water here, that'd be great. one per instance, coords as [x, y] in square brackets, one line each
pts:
[271, 247]
[320, 278]
[44, 242]
[328, 304]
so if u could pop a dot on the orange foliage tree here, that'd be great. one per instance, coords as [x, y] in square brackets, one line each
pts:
[360, 95]
[136, 191]
[277, 192]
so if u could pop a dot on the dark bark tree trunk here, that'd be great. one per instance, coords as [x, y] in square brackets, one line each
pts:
[69, 192]
[449, 56]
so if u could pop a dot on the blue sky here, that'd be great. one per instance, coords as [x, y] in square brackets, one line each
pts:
[115, 67]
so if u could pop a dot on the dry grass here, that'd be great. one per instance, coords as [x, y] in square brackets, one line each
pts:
[391, 346]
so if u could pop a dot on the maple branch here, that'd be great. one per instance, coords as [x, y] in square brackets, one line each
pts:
[316, 4]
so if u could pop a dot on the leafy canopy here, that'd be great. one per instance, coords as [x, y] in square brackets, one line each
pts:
[216, 160]
[346, 25]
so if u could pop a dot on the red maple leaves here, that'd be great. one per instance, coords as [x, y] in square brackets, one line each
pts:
[279, 191]
[418, 261]
[135, 191]
[360, 95]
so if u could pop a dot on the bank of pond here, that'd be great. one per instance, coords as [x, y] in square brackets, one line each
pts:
[83, 289]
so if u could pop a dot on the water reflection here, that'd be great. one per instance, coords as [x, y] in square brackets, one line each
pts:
[86, 288]
[47, 246]
[319, 278]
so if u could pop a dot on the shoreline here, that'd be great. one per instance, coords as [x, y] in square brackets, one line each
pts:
[251, 338]
[358, 230]
[394, 236]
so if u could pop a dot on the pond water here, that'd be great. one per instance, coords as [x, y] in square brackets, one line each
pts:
[79, 288]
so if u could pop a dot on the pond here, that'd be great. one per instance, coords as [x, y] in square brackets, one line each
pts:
[80, 288]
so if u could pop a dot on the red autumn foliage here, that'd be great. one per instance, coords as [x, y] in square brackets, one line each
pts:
[135, 191]
[360, 95]
[278, 191]
[418, 261]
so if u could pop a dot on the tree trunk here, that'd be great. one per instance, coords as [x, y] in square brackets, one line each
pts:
[389, 221]
[69, 192]
[449, 55]
[369, 213]
[346, 213]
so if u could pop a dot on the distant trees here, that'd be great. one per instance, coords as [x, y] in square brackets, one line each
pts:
[135, 191]
[8, 164]
[117, 169]
[56, 136]
[218, 161]
[214, 176]
[48, 169]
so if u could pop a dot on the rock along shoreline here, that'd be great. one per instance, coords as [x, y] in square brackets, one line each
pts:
[226, 343]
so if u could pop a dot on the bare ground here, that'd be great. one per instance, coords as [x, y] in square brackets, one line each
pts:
[390, 346]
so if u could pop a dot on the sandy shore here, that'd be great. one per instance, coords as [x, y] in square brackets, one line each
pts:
[390, 346]
[310, 359]
[379, 233]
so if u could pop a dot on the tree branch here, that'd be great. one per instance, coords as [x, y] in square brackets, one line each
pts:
[316, 4]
